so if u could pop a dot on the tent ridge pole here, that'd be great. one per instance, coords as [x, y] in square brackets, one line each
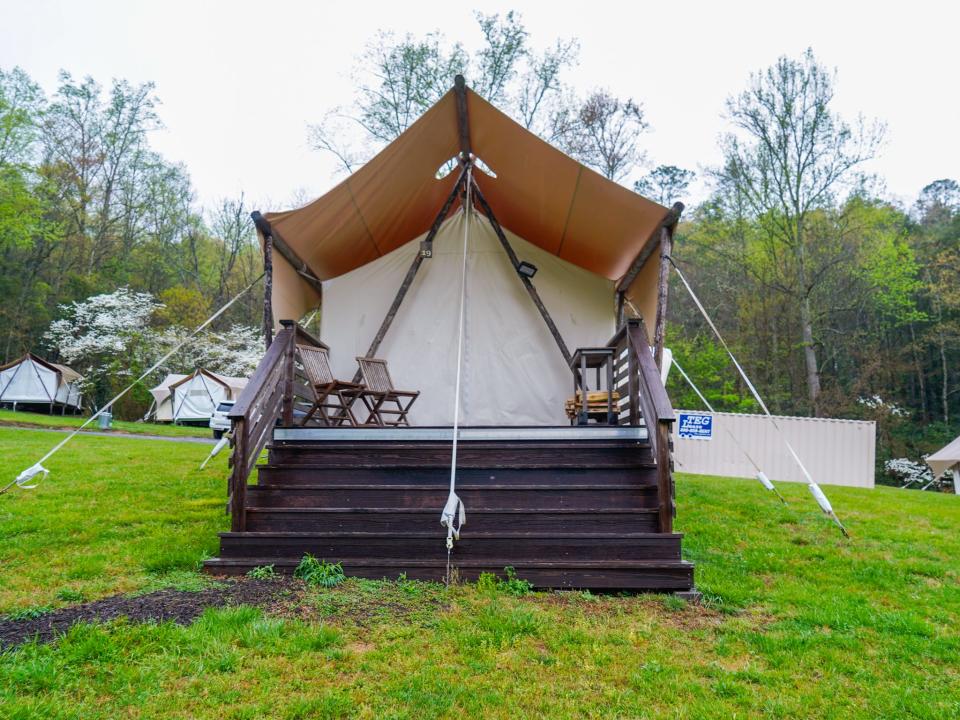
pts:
[463, 118]
[530, 287]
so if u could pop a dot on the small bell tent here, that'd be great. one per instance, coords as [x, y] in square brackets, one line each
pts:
[37, 384]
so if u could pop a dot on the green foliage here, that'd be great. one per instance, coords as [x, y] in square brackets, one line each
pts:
[319, 572]
[490, 583]
[262, 572]
[708, 366]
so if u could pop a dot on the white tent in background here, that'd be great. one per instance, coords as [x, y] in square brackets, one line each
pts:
[947, 458]
[31, 381]
[162, 409]
[194, 397]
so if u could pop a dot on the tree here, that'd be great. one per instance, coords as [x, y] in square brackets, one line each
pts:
[789, 156]
[100, 337]
[665, 183]
[604, 134]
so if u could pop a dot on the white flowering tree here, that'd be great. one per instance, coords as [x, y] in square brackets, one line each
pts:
[102, 336]
[234, 352]
[110, 339]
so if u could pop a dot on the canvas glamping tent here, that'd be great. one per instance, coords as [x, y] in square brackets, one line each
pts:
[593, 243]
[40, 385]
[461, 212]
[194, 397]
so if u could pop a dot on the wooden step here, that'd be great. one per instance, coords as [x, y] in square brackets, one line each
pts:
[529, 520]
[526, 454]
[636, 575]
[473, 545]
[323, 473]
[535, 497]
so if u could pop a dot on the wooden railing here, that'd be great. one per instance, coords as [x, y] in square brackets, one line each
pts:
[646, 402]
[272, 393]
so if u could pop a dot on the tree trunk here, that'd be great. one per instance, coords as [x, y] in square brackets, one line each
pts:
[945, 387]
[924, 413]
[810, 355]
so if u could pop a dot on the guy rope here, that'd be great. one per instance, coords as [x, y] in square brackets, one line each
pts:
[38, 469]
[814, 488]
[761, 475]
[454, 513]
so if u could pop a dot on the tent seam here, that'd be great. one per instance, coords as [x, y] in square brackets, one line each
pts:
[363, 220]
[566, 223]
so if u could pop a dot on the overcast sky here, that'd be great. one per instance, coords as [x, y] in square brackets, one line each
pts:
[240, 81]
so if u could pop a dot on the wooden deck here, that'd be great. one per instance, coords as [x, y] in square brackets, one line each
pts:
[567, 507]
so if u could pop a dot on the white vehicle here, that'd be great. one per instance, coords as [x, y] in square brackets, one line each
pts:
[219, 422]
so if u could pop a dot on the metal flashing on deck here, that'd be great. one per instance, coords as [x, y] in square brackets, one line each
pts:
[467, 434]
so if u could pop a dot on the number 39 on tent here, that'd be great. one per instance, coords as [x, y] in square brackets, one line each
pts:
[695, 425]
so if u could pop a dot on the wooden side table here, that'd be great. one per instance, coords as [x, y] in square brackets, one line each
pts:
[599, 359]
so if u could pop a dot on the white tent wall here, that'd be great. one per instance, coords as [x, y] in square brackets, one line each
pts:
[513, 372]
[28, 382]
[836, 452]
[162, 398]
[197, 397]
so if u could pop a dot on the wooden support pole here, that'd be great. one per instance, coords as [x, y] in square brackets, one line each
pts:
[425, 252]
[531, 290]
[272, 240]
[621, 298]
[663, 281]
[463, 119]
[268, 290]
[669, 220]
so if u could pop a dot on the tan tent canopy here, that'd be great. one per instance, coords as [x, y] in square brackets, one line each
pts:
[540, 194]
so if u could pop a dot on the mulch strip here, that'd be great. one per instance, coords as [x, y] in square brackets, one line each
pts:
[179, 606]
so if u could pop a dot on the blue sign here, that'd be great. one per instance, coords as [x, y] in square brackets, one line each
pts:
[695, 425]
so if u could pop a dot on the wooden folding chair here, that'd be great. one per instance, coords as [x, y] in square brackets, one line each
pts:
[380, 388]
[332, 399]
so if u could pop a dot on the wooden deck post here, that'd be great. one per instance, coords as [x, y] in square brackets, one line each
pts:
[268, 289]
[289, 373]
[238, 477]
[663, 283]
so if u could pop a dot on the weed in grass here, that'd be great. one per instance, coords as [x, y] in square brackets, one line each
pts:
[674, 603]
[69, 595]
[490, 584]
[319, 572]
[262, 572]
[30, 613]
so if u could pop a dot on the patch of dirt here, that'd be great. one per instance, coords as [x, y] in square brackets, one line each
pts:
[179, 606]
[692, 617]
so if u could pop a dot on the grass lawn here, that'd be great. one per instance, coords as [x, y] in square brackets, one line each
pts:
[71, 422]
[798, 622]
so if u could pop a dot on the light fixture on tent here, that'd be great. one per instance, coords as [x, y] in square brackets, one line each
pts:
[527, 270]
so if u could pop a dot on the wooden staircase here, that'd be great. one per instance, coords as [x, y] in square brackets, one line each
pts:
[577, 513]
[566, 507]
